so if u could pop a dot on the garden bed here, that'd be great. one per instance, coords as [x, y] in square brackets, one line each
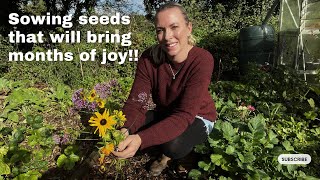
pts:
[263, 115]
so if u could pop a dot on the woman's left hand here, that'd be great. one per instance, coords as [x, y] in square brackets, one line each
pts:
[128, 147]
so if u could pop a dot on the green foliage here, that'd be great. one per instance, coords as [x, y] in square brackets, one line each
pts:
[27, 144]
[314, 112]
[35, 7]
[5, 47]
[36, 125]
[245, 143]
[32, 175]
[27, 97]
[69, 158]
[4, 167]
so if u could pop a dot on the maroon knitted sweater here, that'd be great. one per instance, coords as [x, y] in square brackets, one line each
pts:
[181, 98]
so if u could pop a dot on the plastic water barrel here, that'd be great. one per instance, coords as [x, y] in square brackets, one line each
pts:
[256, 45]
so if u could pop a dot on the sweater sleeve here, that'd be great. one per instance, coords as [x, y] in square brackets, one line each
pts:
[189, 104]
[135, 106]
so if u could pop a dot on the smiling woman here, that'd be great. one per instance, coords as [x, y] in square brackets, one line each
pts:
[175, 74]
[173, 33]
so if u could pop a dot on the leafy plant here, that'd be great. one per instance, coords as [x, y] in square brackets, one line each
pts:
[27, 142]
[257, 122]
[245, 150]
[69, 158]
[313, 113]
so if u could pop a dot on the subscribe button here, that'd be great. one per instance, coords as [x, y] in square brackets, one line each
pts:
[294, 159]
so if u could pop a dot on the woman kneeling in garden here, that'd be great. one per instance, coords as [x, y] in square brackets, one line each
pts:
[176, 74]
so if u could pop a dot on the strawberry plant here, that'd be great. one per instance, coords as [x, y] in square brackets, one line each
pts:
[261, 117]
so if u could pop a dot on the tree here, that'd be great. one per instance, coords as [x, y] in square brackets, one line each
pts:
[247, 7]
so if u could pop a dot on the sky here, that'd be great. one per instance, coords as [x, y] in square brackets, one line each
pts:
[136, 6]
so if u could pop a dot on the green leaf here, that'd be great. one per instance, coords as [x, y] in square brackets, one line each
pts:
[239, 163]
[214, 143]
[61, 92]
[62, 159]
[17, 136]
[277, 151]
[13, 116]
[4, 168]
[269, 146]
[21, 155]
[74, 158]
[272, 137]
[249, 157]
[236, 139]
[312, 115]
[30, 175]
[311, 102]
[44, 132]
[215, 158]
[204, 165]
[287, 146]
[35, 122]
[263, 175]
[233, 96]
[256, 126]
[70, 150]
[37, 125]
[4, 84]
[254, 176]
[38, 119]
[69, 165]
[291, 167]
[257, 122]
[194, 174]
[3, 151]
[259, 135]
[230, 150]
[5, 131]
[29, 119]
[107, 137]
[201, 149]
[117, 135]
[227, 130]
[284, 94]
[241, 157]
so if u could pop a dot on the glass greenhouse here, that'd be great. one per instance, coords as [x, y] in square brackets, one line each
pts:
[299, 39]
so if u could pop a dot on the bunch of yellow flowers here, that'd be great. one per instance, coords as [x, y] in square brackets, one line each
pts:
[106, 119]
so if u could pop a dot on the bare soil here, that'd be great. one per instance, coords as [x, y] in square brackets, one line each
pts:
[134, 168]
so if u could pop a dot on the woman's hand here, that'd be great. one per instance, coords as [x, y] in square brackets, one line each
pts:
[125, 131]
[128, 147]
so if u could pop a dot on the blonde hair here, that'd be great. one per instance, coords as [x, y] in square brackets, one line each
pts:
[157, 52]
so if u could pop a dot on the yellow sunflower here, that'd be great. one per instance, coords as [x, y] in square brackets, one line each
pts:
[92, 95]
[120, 117]
[103, 122]
[101, 103]
[107, 149]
